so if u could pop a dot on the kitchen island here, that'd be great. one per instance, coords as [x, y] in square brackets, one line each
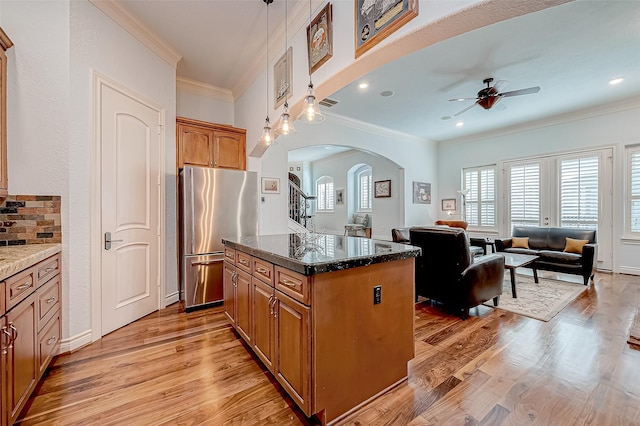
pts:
[330, 316]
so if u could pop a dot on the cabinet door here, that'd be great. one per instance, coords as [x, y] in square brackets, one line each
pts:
[293, 343]
[195, 146]
[263, 322]
[4, 343]
[229, 286]
[243, 306]
[21, 356]
[229, 150]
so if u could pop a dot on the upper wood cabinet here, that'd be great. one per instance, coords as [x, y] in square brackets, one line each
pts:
[210, 145]
[5, 43]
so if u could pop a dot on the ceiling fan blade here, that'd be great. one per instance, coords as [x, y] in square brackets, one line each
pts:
[462, 99]
[526, 91]
[500, 84]
[464, 110]
[500, 106]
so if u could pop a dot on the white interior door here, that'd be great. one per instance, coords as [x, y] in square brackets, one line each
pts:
[130, 203]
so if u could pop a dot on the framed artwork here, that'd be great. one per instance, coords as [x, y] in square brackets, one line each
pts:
[282, 78]
[377, 19]
[270, 185]
[339, 196]
[421, 193]
[448, 204]
[382, 188]
[320, 39]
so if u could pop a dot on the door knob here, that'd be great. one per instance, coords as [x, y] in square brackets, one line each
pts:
[108, 241]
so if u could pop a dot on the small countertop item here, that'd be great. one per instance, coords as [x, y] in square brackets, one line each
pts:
[311, 253]
[14, 259]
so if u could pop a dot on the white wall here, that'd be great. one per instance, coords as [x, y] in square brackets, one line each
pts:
[387, 213]
[50, 128]
[606, 127]
[200, 106]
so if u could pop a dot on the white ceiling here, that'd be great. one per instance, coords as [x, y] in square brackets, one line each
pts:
[570, 51]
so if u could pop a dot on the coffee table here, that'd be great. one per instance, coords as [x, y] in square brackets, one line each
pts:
[513, 261]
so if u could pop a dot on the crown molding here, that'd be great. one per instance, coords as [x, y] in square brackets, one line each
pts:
[372, 128]
[114, 10]
[204, 89]
[5, 41]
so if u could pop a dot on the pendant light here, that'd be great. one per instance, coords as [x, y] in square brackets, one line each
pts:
[311, 110]
[267, 132]
[285, 126]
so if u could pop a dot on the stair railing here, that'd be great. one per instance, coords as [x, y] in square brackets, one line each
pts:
[298, 205]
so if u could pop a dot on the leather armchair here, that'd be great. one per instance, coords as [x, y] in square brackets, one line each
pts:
[447, 273]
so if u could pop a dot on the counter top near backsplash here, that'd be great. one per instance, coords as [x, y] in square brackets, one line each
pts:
[14, 259]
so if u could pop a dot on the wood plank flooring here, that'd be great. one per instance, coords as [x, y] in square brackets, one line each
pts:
[496, 368]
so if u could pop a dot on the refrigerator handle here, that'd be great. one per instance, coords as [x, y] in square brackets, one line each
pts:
[208, 262]
[193, 226]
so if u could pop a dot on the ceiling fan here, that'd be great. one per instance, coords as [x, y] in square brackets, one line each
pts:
[490, 96]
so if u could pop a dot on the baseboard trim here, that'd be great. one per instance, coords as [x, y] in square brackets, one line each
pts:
[629, 270]
[74, 343]
[172, 298]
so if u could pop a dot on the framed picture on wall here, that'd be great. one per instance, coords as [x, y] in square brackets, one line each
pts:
[421, 193]
[376, 20]
[270, 185]
[282, 77]
[382, 188]
[320, 39]
[448, 204]
[339, 196]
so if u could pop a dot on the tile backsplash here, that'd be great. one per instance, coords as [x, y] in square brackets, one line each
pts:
[30, 219]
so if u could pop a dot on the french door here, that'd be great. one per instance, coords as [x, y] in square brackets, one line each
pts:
[570, 190]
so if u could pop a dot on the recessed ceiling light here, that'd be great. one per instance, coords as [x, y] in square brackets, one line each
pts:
[459, 124]
[616, 81]
[386, 93]
[363, 85]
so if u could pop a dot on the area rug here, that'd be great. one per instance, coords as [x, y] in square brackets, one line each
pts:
[634, 334]
[541, 301]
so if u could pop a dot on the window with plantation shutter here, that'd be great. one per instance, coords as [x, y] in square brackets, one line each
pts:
[524, 185]
[324, 191]
[480, 202]
[633, 213]
[579, 192]
[364, 187]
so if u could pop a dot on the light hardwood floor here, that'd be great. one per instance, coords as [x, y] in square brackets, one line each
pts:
[496, 368]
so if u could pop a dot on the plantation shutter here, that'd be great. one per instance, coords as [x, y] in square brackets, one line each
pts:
[525, 194]
[634, 186]
[579, 192]
[480, 201]
[324, 192]
[365, 190]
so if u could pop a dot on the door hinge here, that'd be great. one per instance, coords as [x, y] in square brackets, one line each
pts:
[160, 128]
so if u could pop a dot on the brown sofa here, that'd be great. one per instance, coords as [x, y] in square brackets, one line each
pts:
[446, 272]
[549, 244]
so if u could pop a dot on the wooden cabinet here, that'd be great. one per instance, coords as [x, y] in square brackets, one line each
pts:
[210, 145]
[30, 332]
[5, 43]
[237, 298]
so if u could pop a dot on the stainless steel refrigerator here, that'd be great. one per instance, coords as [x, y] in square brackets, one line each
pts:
[213, 203]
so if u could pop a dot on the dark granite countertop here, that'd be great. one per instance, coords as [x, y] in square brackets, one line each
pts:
[311, 254]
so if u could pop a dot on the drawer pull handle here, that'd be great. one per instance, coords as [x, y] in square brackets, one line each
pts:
[229, 255]
[261, 270]
[50, 300]
[288, 283]
[52, 340]
[49, 269]
[244, 262]
[26, 284]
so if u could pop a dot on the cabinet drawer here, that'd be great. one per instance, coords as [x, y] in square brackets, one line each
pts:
[243, 260]
[19, 286]
[48, 343]
[230, 255]
[263, 271]
[293, 284]
[47, 269]
[48, 301]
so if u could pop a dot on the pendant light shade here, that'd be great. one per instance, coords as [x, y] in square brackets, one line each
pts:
[285, 125]
[267, 133]
[310, 109]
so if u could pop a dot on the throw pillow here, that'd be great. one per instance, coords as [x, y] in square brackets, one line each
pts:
[574, 246]
[359, 219]
[520, 242]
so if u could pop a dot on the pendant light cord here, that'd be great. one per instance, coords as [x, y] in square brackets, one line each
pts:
[266, 100]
